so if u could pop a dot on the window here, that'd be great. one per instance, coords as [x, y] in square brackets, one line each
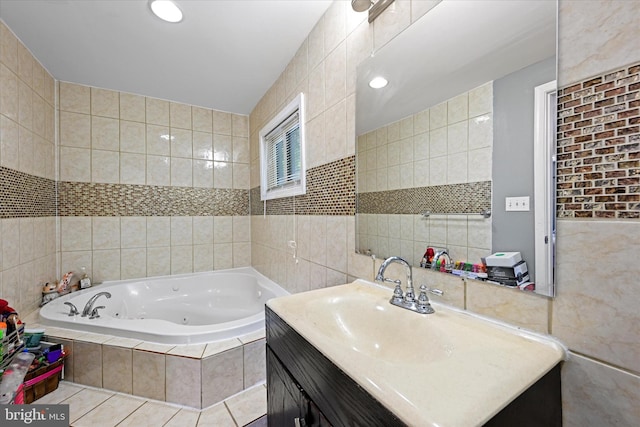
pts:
[282, 162]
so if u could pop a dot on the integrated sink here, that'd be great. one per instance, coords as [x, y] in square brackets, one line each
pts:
[447, 368]
[367, 324]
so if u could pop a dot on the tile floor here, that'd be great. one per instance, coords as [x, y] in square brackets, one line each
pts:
[94, 407]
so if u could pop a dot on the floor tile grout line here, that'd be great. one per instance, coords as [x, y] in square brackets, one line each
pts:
[226, 405]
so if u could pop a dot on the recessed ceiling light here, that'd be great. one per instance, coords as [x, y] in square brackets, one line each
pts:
[166, 10]
[378, 82]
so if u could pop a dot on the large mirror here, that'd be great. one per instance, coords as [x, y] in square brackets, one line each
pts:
[456, 152]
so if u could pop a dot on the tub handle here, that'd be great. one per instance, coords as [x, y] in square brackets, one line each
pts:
[94, 312]
[73, 311]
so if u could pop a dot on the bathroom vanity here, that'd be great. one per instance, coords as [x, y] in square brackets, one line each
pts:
[345, 356]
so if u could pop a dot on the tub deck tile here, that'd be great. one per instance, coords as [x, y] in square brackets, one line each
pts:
[94, 338]
[254, 336]
[216, 416]
[194, 351]
[123, 342]
[220, 346]
[155, 347]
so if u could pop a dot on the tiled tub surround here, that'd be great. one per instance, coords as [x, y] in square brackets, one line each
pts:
[599, 146]
[439, 160]
[27, 174]
[150, 187]
[197, 376]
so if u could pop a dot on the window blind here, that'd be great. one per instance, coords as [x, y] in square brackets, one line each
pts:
[283, 153]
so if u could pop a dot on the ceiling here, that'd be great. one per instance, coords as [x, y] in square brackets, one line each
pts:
[224, 55]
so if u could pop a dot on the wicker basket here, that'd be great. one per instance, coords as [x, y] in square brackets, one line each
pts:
[40, 382]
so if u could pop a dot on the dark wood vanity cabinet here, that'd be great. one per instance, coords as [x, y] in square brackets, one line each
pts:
[304, 388]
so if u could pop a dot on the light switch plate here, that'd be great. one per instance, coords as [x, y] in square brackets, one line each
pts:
[517, 204]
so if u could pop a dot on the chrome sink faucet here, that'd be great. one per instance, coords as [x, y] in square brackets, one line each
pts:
[408, 300]
[89, 306]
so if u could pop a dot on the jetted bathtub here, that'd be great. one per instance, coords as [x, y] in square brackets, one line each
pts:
[183, 309]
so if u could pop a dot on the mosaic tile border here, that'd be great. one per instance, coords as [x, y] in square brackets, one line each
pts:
[92, 199]
[23, 195]
[473, 197]
[599, 146]
[331, 190]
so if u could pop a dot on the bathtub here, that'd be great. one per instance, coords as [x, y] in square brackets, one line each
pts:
[183, 309]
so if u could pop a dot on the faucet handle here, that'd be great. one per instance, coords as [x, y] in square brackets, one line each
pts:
[73, 310]
[424, 306]
[94, 312]
[397, 292]
[434, 291]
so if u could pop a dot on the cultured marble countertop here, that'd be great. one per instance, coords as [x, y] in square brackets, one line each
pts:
[450, 368]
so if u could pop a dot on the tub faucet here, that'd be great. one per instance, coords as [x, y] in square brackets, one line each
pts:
[89, 306]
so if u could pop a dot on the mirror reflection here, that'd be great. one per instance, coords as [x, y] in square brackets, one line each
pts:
[445, 151]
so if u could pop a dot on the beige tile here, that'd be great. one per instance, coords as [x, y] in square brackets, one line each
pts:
[158, 140]
[255, 369]
[133, 168]
[335, 70]
[133, 263]
[194, 351]
[596, 394]
[481, 131]
[220, 347]
[132, 107]
[106, 265]
[452, 286]
[133, 232]
[524, 309]
[202, 258]
[248, 406]
[25, 64]
[240, 125]
[588, 292]
[75, 130]
[181, 230]
[90, 337]
[105, 103]
[75, 98]
[216, 416]
[181, 172]
[106, 232]
[128, 343]
[222, 376]
[181, 259]
[481, 100]
[157, 111]
[105, 166]
[150, 414]
[75, 233]
[158, 261]
[202, 119]
[202, 230]
[184, 381]
[85, 401]
[222, 229]
[158, 170]
[8, 48]
[180, 115]
[9, 142]
[158, 231]
[132, 137]
[203, 145]
[458, 108]
[111, 412]
[222, 123]
[184, 418]
[9, 94]
[149, 375]
[154, 347]
[181, 143]
[117, 374]
[105, 133]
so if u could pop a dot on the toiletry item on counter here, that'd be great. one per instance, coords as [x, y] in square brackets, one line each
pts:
[507, 268]
[85, 281]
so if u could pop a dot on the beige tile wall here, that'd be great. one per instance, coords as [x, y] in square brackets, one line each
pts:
[27, 144]
[122, 138]
[595, 309]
